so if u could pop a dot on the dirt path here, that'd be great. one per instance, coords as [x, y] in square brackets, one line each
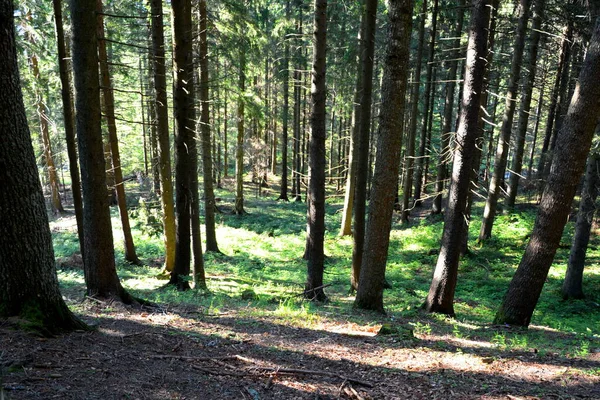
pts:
[186, 354]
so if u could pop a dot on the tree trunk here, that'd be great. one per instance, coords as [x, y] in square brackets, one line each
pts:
[316, 186]
[28, 281]
[99, 258]
[297, 100]
[185, 144]
[441, 292]
[387, 165]
[207, 162]
[412, 131]
[283, 195]
[239, 150]
[572, 286]
[517, 164]
[428, 93]
[446, 133]
[109, 113]
[572, 147]
[500, 162]
[347, 212]
[162, 129]
[69, 120]
[360, 190]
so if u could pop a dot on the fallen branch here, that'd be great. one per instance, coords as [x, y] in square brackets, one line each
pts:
[313, 290]
[294, 371]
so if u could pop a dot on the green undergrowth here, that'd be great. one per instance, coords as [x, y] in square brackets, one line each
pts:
[260, 275]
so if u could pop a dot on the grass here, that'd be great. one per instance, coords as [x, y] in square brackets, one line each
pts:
[261, 271]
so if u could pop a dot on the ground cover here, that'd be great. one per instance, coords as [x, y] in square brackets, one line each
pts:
[253, 337]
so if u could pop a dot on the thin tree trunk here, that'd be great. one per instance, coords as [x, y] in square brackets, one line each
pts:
[427, 95]
[239, 150]
[109, 113]
[573, 145]
[500, 162]
[412, 131]
[69, 120]
[572, 287]
[387, 165]
[162, 129]
[441, 292]
[283, 195]
[446, 133]
[207, 157]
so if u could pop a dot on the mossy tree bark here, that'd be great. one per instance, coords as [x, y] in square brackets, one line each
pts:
[387, 164]
[441, 292]
[28, 281]
[572, 146]
[99, 258]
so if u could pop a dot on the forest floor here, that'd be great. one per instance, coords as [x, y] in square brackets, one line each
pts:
[252, 337]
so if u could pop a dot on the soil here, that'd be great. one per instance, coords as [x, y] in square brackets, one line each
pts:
[183, 353]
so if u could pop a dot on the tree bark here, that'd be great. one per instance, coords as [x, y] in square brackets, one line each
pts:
[69, 120]
[572, 287]
[412, 132]
[517, 163]
[283, 193]
[161, 109]
[360, 189]
[207, 157]
[500, 162]
[99, 259]
[445, 150]
[28, 281]
[183, 102]
[572, 146]
[109, 113]
[418, 184]
[441, 292]
[239, 150]
[387, 164]
[316, 186]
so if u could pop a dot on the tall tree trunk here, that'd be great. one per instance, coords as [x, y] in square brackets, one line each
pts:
[572, 287]
[283, 195]
[500, 162]
[69, 120]
[28, 282]
[99, 258]
[412, 131]
[316, 185]
[387, 164]
[162, 130]
[185, 144]
[109, 112]
[517, 164]
[441, 292]
[572, 147]
[207, 158]
[427, 95]
[538, 117]
[360, 190]
[239, 150]
[445, 150]
[297, 100]
[347, 212]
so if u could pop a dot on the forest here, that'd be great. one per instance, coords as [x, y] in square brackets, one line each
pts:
[293, 199]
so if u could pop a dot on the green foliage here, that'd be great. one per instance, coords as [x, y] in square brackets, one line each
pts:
[261, 274]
